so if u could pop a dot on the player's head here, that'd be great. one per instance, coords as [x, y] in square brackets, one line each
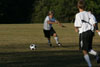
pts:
[50, 14]
[81, 4]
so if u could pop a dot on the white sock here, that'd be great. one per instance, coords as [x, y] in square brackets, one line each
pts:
[56, 39]
[87, 59]
[92, 52]
[49, 41]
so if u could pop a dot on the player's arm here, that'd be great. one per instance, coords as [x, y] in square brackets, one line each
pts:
[49, 22]
[95, 24]
[96, 28]
[76, 29]
[59, 23]
[77, 23]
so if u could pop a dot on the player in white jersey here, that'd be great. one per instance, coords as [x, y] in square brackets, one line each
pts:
[48, 28]
[85, 28]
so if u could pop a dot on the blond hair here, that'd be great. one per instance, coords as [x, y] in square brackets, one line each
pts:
[50, 13]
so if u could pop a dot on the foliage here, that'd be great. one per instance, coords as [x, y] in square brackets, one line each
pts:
[15, 40]
[65, 10]
[34, 11]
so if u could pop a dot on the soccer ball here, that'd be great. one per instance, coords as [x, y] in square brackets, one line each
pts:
[32, 46]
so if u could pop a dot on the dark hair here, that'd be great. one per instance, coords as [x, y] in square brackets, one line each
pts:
[81, 4]
[50, 13]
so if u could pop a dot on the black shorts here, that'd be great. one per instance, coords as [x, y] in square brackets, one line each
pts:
[48, 33]
[85, 40]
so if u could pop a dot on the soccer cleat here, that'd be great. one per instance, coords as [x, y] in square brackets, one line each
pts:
[98, 59]
[59, 44]
[50, 44]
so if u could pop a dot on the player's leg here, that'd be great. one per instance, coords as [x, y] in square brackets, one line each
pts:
[53, 33]
[86, 57]
[92, 52]
[84, 45]
[49, 39]
[47, 35]
[49, 42]
[56, 39]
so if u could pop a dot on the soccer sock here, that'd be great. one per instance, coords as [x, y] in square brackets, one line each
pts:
[56, 39]
[49, 41]
[87, 59]
[92, 52]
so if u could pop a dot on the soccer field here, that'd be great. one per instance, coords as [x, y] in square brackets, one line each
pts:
[15, 40]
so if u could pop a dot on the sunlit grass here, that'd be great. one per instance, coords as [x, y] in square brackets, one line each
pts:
[16, 38]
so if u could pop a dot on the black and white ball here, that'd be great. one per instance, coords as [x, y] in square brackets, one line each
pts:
[32, 46]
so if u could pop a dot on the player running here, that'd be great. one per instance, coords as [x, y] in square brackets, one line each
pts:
[85, 28]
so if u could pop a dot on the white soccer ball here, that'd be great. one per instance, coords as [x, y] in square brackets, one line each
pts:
[32, 46]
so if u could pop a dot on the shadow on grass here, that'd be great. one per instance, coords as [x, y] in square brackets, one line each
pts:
[44, 58]
[41, 59]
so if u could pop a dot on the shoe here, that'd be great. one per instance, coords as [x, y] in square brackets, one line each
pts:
[59, 44]
[98, 59]
[50, 44]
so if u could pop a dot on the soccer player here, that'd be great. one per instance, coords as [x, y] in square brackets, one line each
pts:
[48, 28]
[84, 27]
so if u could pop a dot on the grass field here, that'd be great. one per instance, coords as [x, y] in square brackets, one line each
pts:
[16, 38]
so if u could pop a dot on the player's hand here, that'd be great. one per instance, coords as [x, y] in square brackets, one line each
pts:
[99, 33]
[76, 30]
[57, 22]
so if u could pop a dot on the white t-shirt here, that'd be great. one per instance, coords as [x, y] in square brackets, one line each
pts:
[46, 25]
[94, 19]
[86, 16]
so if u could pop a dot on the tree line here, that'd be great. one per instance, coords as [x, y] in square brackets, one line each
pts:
[34, 11]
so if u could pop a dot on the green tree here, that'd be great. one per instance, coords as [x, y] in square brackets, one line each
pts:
[65, 10]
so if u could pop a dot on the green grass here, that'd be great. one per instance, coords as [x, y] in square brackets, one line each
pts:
[16, 38]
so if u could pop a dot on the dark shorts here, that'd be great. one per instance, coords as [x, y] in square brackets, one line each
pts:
[48, 33]
[85, 40]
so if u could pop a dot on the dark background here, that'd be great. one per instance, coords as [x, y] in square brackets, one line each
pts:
[34, 11]
[15, 11]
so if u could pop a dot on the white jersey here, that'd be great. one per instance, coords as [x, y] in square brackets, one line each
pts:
[46, 25]
[84, 26]
[93, 17]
